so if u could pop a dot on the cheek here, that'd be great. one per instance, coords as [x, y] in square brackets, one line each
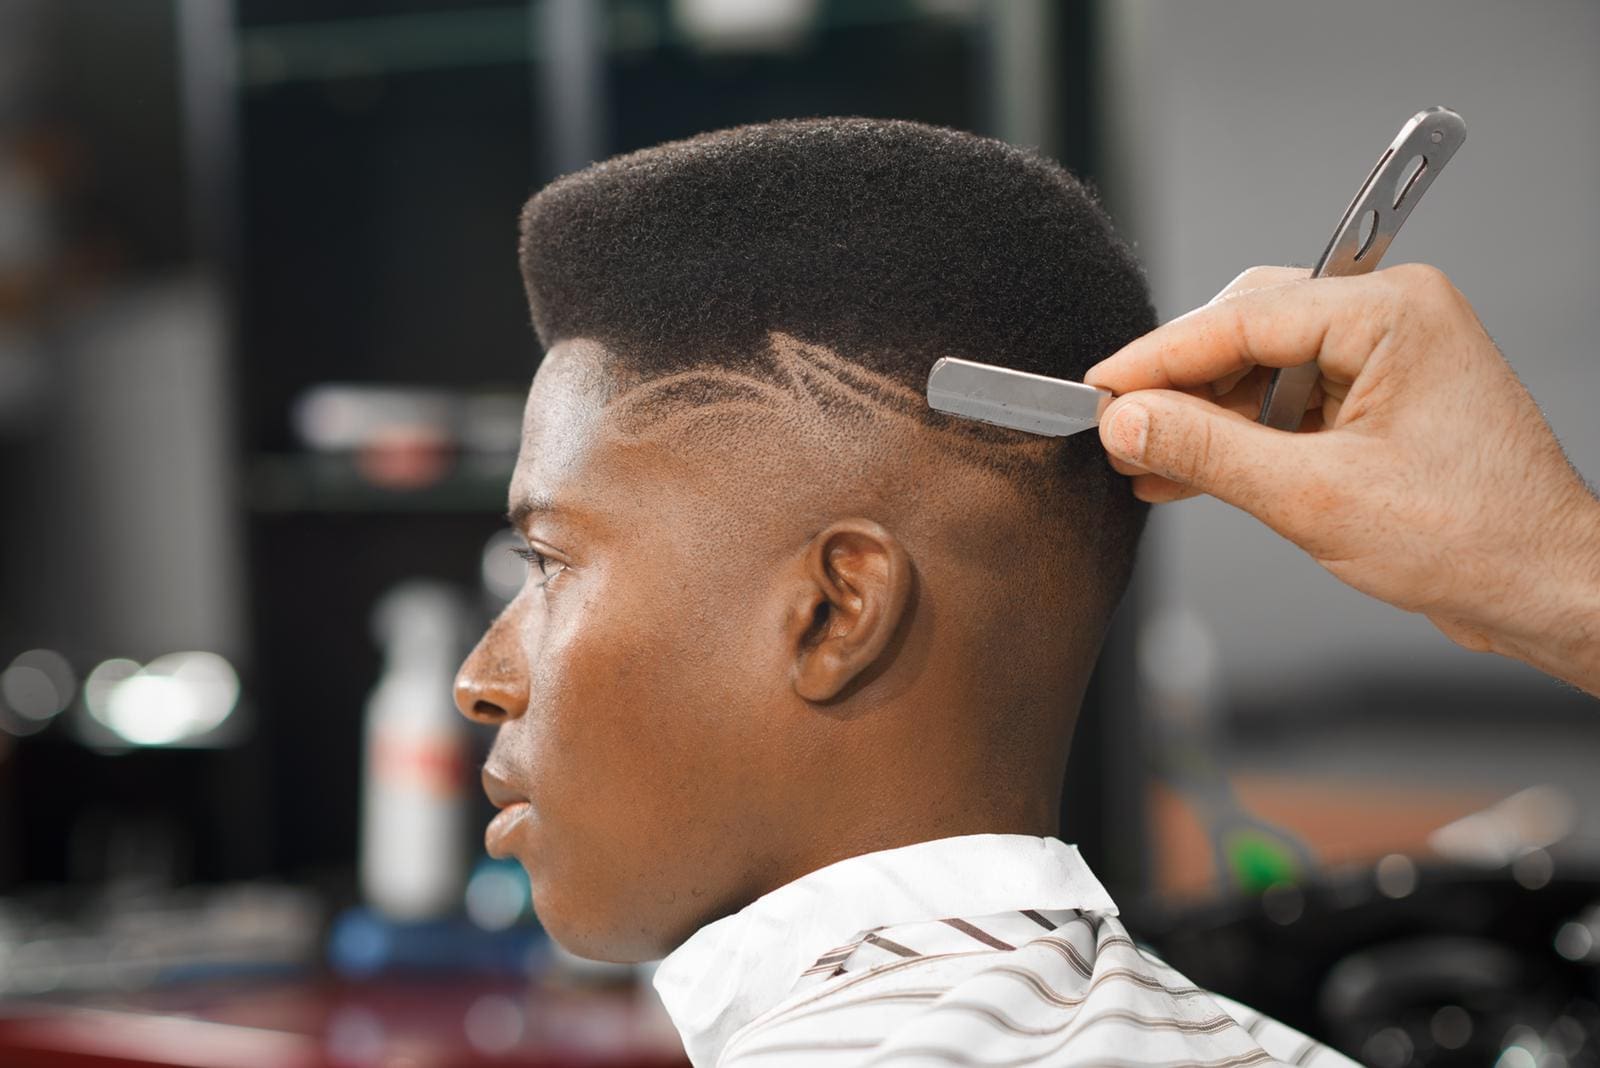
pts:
[643, 720]
[640, 686]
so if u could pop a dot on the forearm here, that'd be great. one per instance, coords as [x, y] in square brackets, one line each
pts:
[1555, 626]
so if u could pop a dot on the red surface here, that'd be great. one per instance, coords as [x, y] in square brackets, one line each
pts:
[1342, 821]
[333, 1025]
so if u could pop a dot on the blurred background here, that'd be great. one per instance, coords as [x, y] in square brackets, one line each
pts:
[263, 348]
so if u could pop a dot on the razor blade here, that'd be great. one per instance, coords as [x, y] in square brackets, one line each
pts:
[1403, 173]
[1020, 400]
[1056, 407]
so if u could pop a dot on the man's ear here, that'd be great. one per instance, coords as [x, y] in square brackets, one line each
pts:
[856, 583]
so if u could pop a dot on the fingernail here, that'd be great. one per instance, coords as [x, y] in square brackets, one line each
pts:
[1130, 426]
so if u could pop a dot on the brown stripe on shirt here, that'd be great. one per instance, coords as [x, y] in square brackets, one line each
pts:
[1077, 1026]
[879, 970]
[981, 935]
[893, 947]
[832, 959]
[1079, 962]
[952, 1056]
[1246, 1060]
[1055, 997]
[1042, 989]
[762, 1027]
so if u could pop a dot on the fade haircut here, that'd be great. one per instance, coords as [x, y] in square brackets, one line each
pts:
[889, 243]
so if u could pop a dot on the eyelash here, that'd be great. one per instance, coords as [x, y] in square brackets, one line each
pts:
[538, 560]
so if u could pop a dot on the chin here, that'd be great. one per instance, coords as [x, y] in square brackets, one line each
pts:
[615, 937]
[605, 945]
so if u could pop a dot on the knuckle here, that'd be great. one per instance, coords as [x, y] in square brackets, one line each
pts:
[1423, 281]
[1422, 303]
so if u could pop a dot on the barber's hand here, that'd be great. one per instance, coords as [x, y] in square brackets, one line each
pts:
[1423, 474]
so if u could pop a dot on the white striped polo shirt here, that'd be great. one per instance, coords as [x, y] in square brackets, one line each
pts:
[984, 950]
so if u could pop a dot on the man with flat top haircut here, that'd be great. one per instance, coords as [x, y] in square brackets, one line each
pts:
[789, 690]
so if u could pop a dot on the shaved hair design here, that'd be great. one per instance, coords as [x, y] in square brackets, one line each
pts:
[822, 266]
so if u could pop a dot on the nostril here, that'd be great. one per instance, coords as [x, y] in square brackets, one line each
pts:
[488, 710]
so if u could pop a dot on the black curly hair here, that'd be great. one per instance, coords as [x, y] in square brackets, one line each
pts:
[891, 243]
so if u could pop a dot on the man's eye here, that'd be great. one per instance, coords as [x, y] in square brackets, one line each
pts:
[539, 560]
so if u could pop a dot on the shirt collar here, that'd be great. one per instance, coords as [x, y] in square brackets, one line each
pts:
[736, 968]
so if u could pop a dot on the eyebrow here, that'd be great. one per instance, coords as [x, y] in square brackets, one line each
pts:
[529, 506]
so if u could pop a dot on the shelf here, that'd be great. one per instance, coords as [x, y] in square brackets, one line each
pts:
[284, 484]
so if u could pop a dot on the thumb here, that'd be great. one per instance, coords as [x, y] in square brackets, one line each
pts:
[1216, 451]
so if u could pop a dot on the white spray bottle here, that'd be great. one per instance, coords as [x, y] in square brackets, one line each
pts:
[415, 800]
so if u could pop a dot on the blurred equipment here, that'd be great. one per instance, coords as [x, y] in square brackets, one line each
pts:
[1403, 173]
[364, 944]
[1412, 962]
[415, 777]
[407, 438]
[126, 939]
[1178, 676]
[1526, 822]
[141, 433]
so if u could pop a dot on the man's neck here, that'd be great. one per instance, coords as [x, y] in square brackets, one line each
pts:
[888, 823]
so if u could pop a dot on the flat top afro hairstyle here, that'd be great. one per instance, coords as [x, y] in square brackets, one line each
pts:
[891, 243]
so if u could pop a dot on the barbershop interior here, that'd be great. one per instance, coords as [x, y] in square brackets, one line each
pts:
[264, 354]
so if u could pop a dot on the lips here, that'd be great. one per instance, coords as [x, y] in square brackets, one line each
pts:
[513, 806]
[501, 793]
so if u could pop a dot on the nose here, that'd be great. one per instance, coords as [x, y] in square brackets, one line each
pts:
[492, 684]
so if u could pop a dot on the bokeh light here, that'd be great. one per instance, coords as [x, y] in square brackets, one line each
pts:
[175, 698]
[34, 689]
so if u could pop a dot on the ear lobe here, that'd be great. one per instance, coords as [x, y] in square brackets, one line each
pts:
[857, 584]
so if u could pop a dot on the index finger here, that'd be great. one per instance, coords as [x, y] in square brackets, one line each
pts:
[1336, 320]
